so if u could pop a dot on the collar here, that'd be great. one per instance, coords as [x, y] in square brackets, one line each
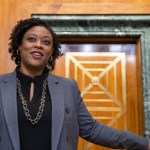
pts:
[25, 79]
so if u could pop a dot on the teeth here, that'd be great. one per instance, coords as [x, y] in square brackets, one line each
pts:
[37, 54]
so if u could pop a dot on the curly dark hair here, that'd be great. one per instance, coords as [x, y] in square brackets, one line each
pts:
[17, 35]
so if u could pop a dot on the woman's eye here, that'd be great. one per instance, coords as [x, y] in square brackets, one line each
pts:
[46, 42]
[31, 39]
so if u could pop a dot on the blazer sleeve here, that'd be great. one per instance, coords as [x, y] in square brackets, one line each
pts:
[100, 134]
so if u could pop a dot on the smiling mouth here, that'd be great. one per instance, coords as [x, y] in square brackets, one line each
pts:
[37, 55]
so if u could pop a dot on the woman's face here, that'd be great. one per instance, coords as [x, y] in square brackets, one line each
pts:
[36, 48]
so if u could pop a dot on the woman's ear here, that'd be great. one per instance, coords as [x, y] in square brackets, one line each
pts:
[18, 51]
[53, 50]
[19, 48]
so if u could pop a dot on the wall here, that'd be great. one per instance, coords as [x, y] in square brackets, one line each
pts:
[13, 10]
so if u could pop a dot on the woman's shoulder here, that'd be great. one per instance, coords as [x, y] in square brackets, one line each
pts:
[60, 79]
[7, 75]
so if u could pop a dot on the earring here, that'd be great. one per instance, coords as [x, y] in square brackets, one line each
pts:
[51, 58]
[48, 66]
[18, 51]
[18, 58]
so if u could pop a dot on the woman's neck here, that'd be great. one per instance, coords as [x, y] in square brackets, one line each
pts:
[31, 72]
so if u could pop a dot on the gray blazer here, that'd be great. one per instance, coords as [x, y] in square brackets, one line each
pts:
[70, 119]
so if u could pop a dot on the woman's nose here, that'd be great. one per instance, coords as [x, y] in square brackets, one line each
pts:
[38, 43]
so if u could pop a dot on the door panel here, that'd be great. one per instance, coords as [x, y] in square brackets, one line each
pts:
[101, 79]
[107, 78]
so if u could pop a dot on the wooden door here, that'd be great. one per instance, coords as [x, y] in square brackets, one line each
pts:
[108, 78]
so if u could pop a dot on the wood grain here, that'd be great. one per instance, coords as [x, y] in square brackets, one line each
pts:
[13, 10]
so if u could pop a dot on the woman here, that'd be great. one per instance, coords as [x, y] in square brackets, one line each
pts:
[45, 112]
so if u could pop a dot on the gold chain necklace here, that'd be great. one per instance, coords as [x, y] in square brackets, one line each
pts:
[24, 103]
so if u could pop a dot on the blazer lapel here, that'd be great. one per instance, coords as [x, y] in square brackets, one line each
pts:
[10, 108]
[57, 98]
[9, 102]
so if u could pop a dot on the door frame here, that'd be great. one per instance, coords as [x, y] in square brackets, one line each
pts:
[108, 26]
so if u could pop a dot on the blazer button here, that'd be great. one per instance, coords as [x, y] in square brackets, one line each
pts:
[67, 110]
[67, 139]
